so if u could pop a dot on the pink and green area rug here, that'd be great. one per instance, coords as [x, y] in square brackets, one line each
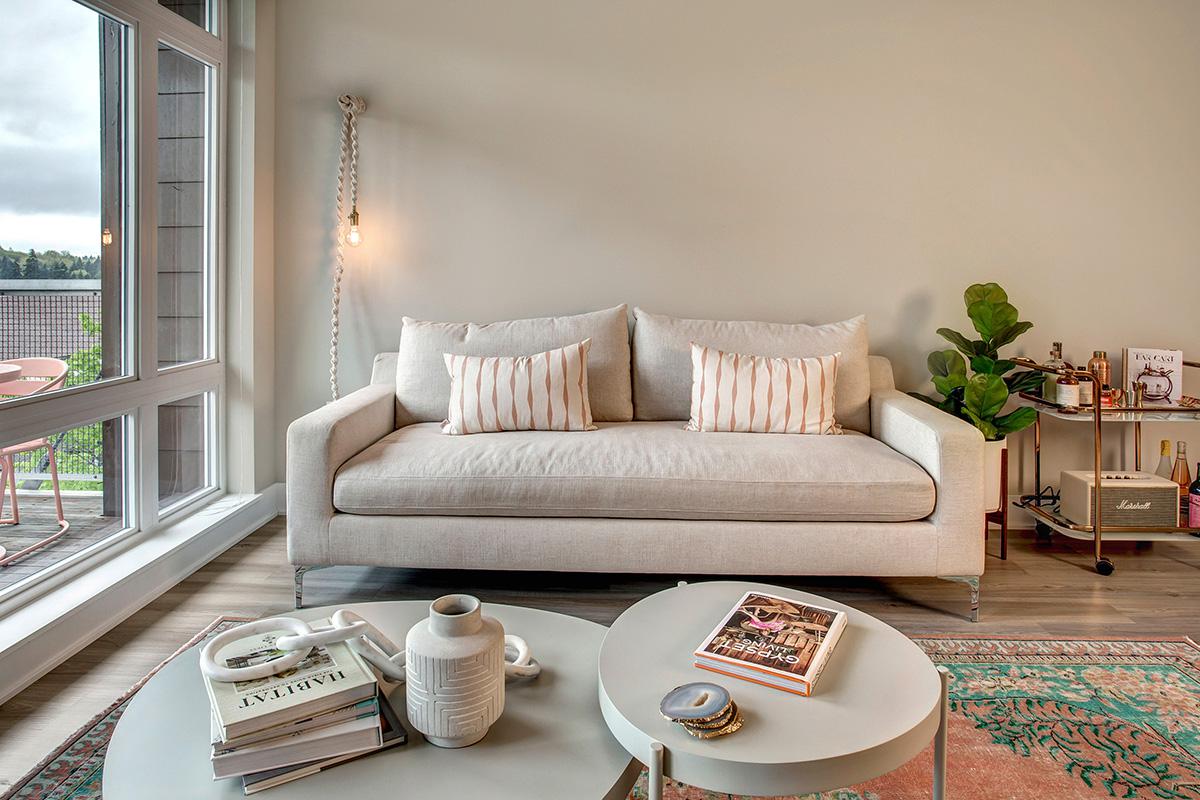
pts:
[1042, 719]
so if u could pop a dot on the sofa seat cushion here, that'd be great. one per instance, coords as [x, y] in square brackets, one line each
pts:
[653, 470]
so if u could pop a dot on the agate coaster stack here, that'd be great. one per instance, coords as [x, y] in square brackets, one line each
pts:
[705, 710]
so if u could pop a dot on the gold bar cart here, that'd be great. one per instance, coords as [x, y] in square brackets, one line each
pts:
[1037, 503]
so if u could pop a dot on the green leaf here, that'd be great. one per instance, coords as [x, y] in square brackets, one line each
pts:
[984, 396]
[965, 345]
[1026, 381]
[946, 363]
[1010, 334]
[947, 384]
[992, 319]
[1018, 420]
[987, 292]
[991, 366]
[986, 428]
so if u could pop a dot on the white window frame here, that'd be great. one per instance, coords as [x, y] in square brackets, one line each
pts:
[137, 396]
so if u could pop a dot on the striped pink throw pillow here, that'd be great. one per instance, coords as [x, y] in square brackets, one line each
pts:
[543, 392]
[755, 394]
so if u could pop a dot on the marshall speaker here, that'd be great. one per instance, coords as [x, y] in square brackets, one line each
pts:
[1127, 498]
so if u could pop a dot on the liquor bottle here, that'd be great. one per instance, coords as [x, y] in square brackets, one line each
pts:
[1164, 459]
[1194, 501]
[1087, 392]
[1050, 386]
[1066, 391]
[1099, 366]
[1183, 477]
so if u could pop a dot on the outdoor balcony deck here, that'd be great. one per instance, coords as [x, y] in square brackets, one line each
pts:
[37, 522]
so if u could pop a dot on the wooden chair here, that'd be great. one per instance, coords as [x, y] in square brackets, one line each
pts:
[37, 375]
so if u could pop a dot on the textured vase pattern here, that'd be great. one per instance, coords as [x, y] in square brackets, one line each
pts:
[455, 672]
[455, 698]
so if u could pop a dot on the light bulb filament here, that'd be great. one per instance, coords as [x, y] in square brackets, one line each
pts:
[354, 235]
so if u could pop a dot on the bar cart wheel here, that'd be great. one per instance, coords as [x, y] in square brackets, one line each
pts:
[1105, 567]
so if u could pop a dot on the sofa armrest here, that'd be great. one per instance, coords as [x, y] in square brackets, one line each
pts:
[317, 445]
[951, 451]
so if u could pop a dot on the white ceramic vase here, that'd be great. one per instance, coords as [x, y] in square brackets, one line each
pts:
[454, 663]
[993, 452]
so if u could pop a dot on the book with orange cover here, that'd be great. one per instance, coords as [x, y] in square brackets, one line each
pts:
[773, 641]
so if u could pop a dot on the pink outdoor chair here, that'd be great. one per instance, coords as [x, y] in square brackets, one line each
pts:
[37, 375]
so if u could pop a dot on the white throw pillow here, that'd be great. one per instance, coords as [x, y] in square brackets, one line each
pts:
[543, 392]
[758, 394]
[662, 368]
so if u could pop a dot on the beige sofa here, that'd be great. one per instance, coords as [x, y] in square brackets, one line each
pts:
[901, 497]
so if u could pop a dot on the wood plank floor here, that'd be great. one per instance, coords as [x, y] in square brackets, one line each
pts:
[38, 521]
[1041, 590]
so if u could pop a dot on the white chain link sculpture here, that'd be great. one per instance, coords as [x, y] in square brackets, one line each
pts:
[361, 636]
[351, 107]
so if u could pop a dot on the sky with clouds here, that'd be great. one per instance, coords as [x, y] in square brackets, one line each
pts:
[49, 126]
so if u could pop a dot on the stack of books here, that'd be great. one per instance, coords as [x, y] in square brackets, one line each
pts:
[326, 710]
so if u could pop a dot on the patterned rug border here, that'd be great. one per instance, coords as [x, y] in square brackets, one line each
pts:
[130, 692]
[1019, 637]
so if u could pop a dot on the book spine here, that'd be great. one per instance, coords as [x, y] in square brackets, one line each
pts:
[802, 688]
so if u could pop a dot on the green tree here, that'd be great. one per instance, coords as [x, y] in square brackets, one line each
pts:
[32, 269]
[83, 366]
[9, 269]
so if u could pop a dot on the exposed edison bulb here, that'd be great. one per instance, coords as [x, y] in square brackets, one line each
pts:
[106, 237]
[354, 235]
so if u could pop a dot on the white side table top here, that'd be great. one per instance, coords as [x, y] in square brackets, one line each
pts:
[9, 372]
[876, 706]
[551, 741]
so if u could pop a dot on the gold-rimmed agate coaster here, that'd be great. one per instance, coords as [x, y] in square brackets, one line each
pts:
[721, 721]
[731, 727]
[696, 703]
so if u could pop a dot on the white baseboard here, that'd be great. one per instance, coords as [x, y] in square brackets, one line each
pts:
[277, 493]
[39, 636]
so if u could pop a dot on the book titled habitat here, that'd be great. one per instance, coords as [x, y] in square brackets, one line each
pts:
[330, 677]
[773, 641]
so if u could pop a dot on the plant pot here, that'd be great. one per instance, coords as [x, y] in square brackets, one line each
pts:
[454, 662]
[993, 493]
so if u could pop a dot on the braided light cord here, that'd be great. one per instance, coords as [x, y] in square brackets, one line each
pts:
[351, 107]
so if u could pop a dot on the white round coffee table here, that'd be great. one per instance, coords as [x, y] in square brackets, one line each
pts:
[878, 704]
[551, 741]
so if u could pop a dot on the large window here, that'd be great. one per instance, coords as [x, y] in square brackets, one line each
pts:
[111, 379]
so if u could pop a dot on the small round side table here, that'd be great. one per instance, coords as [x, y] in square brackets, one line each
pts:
[879, 702]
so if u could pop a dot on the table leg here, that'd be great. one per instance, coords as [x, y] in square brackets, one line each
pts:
[655, 765]
[939, 739]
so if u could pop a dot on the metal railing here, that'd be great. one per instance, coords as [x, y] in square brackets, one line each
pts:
[40, 321]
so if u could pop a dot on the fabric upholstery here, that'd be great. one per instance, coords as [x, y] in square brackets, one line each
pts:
[543, 392]
[675, 547]
[951, 451]
[317, 444]
[734, 392]
[662, 365]
[649, 469]
[423, 385]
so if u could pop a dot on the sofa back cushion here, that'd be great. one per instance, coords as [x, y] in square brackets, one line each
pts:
[423, 384]
[662, 362]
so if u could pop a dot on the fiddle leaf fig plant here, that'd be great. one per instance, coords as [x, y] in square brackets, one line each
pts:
[978, 395]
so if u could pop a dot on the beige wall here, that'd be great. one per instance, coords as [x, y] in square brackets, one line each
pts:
[777, 160]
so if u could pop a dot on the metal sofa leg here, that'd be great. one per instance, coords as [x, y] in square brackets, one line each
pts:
[299, 582]
[972, 582]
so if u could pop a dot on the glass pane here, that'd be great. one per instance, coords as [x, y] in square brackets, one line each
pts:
[63, 176]
[196, 11]
[89, 465]
[184, 204]
[183, 456]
